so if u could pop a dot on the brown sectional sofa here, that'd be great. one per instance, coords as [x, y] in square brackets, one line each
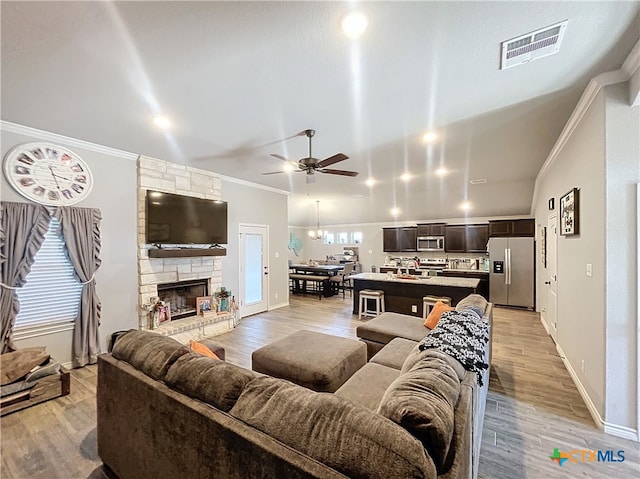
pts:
[166, 412]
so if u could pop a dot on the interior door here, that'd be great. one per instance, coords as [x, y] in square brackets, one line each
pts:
[552, 276]
[254, 269]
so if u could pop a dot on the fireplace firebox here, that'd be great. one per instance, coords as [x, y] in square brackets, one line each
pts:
[182, 296]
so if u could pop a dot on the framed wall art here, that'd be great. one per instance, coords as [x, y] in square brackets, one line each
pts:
[570, 213]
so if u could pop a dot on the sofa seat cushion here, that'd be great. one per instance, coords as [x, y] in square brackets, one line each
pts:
[394, 353]
[209, 380]
[368, 385]
[348, 438]
[388, 326]
[422, 401]
[148, 352]
[314, 360]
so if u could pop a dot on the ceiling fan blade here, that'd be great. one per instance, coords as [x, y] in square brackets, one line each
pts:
[332, 159]
[339, 172]
[280, 157]
[273, 172]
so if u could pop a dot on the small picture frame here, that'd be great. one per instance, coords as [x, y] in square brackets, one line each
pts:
[164, 313]
[570, 213]
[204, 305]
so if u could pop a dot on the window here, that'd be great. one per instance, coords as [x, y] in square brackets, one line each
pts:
[329, 238]
[343, 238]
[356, 237]
[51, 295]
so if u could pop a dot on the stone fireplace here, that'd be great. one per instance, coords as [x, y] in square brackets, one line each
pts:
[154, 273]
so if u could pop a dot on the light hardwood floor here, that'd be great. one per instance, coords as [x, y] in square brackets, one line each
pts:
[532, 407]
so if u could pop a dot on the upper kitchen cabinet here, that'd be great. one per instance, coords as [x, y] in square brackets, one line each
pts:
[477, 237]
[431, 229]
[466, 238]
[455, 239]
[525, 227]
[399, 239]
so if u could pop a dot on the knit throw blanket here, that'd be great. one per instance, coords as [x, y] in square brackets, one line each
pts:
[462, 335]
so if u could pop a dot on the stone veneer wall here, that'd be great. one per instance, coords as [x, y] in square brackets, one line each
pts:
[169, 177]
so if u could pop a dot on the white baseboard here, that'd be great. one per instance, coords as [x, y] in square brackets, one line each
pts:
[67, 365]
[621, 431]
[581, 389]
[608, 428]
[544, 323]
[279, 305]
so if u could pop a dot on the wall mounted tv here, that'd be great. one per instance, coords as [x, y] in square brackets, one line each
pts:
[178, 219]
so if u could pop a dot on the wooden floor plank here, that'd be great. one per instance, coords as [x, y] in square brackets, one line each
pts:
[532, 407]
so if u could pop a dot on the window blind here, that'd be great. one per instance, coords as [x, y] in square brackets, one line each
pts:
[52, 291]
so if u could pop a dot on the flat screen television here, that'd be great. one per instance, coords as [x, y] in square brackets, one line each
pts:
[179, 219]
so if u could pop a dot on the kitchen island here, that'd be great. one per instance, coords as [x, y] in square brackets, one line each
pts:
[401, 295]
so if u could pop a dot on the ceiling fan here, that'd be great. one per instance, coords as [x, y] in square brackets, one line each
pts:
[310, 164]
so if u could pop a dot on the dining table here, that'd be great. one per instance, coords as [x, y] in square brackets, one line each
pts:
[318, 270]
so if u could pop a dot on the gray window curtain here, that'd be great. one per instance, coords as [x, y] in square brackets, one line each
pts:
[81, 232]
[22, 230]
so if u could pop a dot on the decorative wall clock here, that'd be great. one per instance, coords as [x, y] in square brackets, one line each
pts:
[48, 174]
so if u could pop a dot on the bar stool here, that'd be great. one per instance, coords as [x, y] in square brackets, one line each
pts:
[429, 302]
[377, 296]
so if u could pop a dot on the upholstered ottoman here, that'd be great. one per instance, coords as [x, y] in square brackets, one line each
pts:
[317, 361]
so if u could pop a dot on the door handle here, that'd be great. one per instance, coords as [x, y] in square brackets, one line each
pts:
[547, 282]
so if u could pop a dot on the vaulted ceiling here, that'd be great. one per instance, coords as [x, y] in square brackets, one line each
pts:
[241, 80]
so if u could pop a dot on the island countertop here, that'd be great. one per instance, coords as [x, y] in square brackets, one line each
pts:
[405, 295]
[432, 280]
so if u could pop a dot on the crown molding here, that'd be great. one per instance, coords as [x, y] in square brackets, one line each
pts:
[73, 142]
[258, 186]
[624, 73]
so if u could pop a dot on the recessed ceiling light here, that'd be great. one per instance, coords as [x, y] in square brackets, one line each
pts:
[162, 122]
[405, 176]
[441, 171]
[466, 206]
[479, 181]
[370, 182]
[395, 211]
[429, 137]
[354, 24]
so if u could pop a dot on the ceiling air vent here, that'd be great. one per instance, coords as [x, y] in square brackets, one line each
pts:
[534, 45]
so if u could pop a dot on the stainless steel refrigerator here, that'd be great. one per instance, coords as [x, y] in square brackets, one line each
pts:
[511, 275]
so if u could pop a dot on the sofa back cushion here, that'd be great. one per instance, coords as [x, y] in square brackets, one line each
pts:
[348, 438]
[416, 355]
[474, 302]
[209, 380]
[422, 401]
[148, 352]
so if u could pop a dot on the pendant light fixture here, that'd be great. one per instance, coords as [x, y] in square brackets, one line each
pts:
[317, 233]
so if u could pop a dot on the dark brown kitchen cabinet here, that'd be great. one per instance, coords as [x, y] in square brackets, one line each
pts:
[455, 239]
[483, 287]
[399, 239]
[466, 238]
[477, 237]
[523, 227]
[431, 229]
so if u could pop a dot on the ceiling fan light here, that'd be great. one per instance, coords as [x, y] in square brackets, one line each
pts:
[429, 137]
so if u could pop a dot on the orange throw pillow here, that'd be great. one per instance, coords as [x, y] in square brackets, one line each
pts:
[436, 312]
[202, 349]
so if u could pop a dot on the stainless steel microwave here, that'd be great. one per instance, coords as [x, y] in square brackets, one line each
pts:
[430, 243]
